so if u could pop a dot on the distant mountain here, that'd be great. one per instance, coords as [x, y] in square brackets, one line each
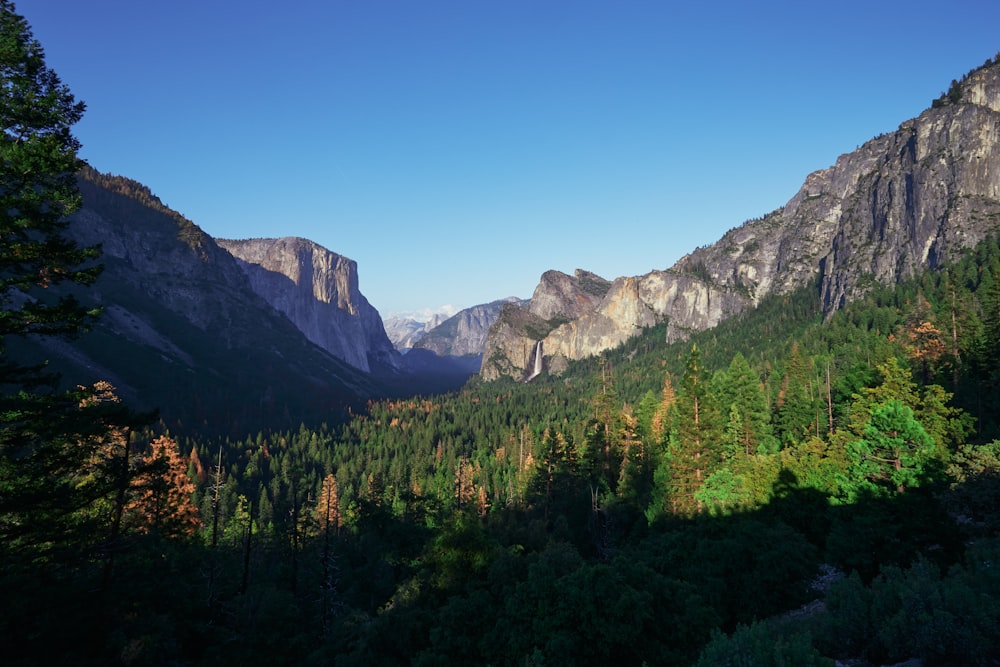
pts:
[901, 203]
[228, 334]
[404, 332]
[464, 333]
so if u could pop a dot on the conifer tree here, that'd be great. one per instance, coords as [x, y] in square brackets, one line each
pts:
[162, 491]
[38, 165]
[741, 400]
[893, 452]
[798, 410]
[48, 437]
[697, 450]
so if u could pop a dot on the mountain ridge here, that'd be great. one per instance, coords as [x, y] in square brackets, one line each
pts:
[903, 201]
[182, 331]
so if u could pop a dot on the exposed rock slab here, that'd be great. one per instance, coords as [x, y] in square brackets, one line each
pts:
[318, 291]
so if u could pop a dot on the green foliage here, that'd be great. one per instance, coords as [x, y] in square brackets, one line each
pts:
[893, 453]
[918, 612]
[37, 192]
[600, 517]
[760, 646]
[974, 489]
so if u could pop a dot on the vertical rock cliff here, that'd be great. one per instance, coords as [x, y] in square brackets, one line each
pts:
[182, 330]
[557, 300]
[318, 291]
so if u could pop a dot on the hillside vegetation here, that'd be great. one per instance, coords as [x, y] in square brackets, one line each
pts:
[656, 504]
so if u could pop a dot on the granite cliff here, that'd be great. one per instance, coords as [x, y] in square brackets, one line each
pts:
[558, 299]
[404, 332]
[318, 291]
[903, 202]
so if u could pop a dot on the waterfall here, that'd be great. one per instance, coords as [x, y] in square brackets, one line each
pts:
[538, 363]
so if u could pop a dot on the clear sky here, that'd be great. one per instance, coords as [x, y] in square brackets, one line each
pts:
[458, 149]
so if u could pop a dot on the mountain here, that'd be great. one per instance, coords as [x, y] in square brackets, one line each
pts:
[183, 329]
[318, 291]
[404, 332]
[558, 299]
[903, 202]
[464, 333]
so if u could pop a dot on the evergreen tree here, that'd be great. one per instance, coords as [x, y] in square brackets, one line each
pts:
[49, 438]
[38, 165]
[797, 414]
[742, 401]
[697, 451]
[893, 452]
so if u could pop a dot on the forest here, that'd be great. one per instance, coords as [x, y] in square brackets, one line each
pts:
[778, 490]
[783, 489]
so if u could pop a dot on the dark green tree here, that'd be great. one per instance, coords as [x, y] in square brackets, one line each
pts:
[39, 426]
[37, 191]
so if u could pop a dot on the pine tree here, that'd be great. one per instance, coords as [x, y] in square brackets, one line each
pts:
[893, 452]
[38, 165]
[329, 519]
[741, 398]
[39, 427]
[697, 451]
[797, 414]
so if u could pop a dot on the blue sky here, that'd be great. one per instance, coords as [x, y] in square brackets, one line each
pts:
[457, 150]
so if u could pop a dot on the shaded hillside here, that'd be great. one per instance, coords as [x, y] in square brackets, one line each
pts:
[182, 329]
[464, 333]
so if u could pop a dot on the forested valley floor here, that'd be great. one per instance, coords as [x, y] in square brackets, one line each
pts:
[778, 490]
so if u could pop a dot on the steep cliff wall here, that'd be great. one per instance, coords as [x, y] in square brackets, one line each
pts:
[558, 299]
[318, 291]
[901, 203]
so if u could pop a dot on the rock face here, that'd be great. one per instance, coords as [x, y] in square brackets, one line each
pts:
[559, 299]
[183, 330]
[318, 291]
[404, 332]
[464, 333]
[903, 202]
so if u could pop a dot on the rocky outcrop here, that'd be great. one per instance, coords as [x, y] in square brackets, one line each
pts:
[557, 300]
[318, 291]
[559, 296]
[903, 202]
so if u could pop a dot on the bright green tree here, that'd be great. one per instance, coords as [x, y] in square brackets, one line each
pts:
[697, 450]
[798, 412]
[893, 452]
[741, 399]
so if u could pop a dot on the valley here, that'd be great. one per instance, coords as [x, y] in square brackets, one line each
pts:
[783, 449]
